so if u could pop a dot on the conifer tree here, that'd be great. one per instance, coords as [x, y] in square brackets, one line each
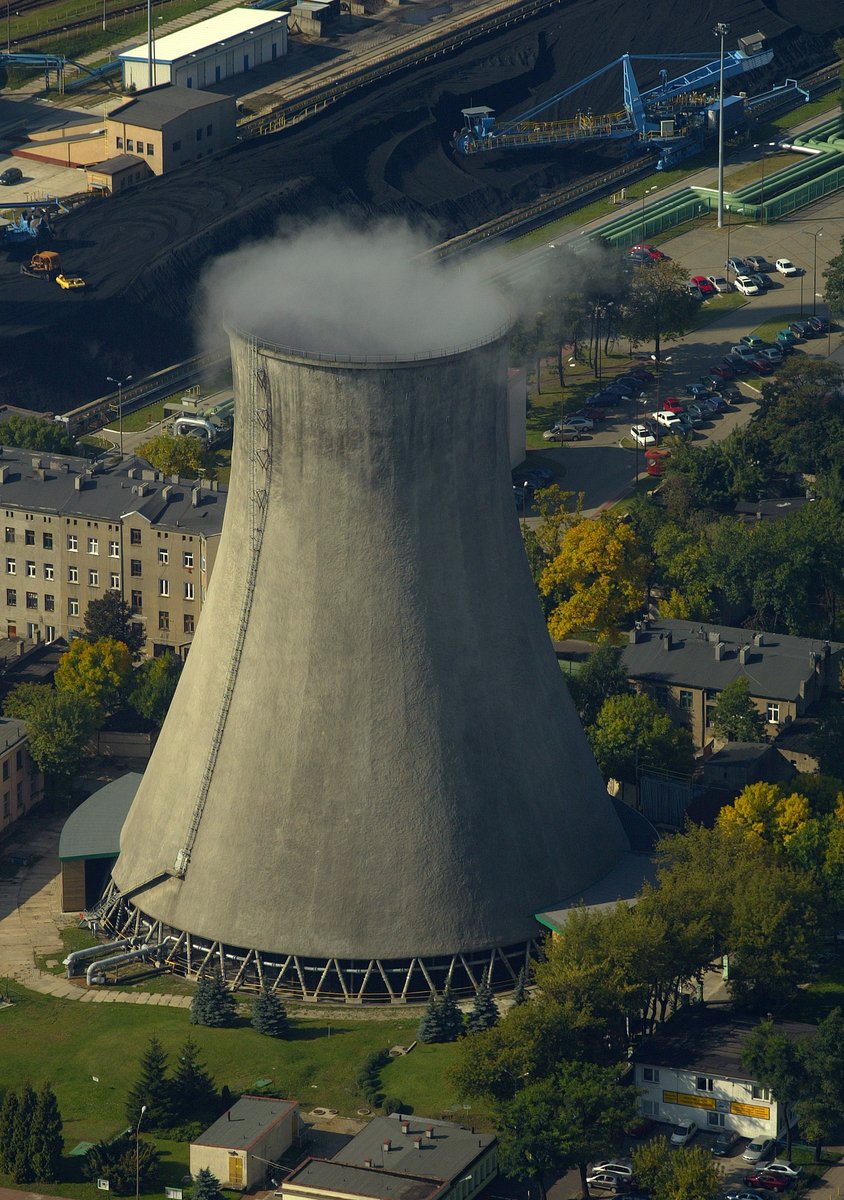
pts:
[206, 1186]
[21, 1169]
[451, 1018]
[193, 1089]
[484, 1012]
[212, 1004]
[8, 1120]
[46, 1141]
[153, 1089]
[520, 990]
[430, 1025]
[269, 1015]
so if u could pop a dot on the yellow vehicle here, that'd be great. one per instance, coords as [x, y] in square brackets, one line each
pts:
[43, 265]
[70, 282]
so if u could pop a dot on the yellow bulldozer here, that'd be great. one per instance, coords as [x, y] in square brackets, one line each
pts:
[46, 264]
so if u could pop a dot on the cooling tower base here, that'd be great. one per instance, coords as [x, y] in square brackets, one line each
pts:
[336, 980]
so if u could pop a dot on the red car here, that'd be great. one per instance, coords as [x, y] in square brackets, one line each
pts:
[672, 404]
[767, 1180]
[704, 286]
[761, 366]
[651, 251]
[723, 371]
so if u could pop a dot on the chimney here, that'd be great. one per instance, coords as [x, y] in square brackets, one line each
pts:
[758, 639]
[166, 493]
[417, 1143]
[385, 1145]
[744, 655]
[36, 463]
[429, 1132]
[713, 635]
[4, 474]
[40, 473]
[666, 639]
[405, 1127]
[132, 472]
[635, 634]
[79, 483]
[196, 497]
[367, 1162]
[719, 651]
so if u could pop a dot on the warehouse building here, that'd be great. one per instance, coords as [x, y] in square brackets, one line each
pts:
[168, 126]
[245, 1145]
[210, 51]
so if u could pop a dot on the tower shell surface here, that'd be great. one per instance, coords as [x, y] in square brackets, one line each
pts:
[371, 752]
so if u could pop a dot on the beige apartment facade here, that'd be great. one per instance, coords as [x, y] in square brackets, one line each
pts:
[21, 785]
[72, 533]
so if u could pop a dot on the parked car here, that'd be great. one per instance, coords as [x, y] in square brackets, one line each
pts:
[694, 291]
[11, 175]
[537, 477]
[723, 371]
[739, 365]
[754, 342]
[650, 251]
[786, 1169]
[640, 1128]
[713, 404]
[617, 1166]
[573, 422]
[720, 282]
[697, 389]
[759, 1150]
[556, 434]
[768, 1182]
[761, 365]
[819, 324]
[696, 413]
[736, 265]
[667, 420]
[621, 388]
[743, 1194]
[786, 267]
[725, 1143]
[594, 414]
[742, 350]
[773, 355]
[756, 262]
[746, 286]
[642, 372]
[673, 405]
[683, 1133]
[642, 436]
[730, 394]
[607, 1181]
[761, 281]
[786, 340]
[803, 329]
[707, 287]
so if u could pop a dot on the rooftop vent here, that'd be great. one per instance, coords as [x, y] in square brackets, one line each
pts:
[720, 649]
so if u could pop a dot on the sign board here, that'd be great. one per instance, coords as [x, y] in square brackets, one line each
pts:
[173, 1193]
[760, 1111]
[690, 1101]
[103, 1185]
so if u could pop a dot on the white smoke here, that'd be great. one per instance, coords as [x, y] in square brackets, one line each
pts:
[337, 289]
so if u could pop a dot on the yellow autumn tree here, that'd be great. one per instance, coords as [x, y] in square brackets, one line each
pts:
[99, 670]
[762, 811]
[599, 572]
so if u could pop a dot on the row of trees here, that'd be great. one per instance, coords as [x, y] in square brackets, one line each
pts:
[31, 1141]
[214, 1005]
[171, 1100]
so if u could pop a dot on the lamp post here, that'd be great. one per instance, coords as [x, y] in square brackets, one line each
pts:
[645, 193]
[766, 148]
[138, 1152]
[120, 384]
[721, 31]
[524, 497]
[817, 233]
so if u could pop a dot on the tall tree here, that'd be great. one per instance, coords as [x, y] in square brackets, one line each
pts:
[686, 1174]
[658, 304]
[111, 617]
[451, 1018]
[269, 1016]
[153, 686]
[212, 1004]
[821, 1108]
[601, 676]
[633, 732]
[429, 1028]
[520, 990]
[484, 1012]
[192, 1087]
[834, 273]
[47, 1142]
[8, 1121]
[185, 456]
[100, 671]
[206, 1186]
[153, 1089]
[776, 1063]
[59, 726]
[22, 1166]
[736, 716]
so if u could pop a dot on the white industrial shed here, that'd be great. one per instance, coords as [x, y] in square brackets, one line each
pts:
[209, 51]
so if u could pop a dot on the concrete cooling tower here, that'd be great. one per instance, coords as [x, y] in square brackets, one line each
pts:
[371, 776]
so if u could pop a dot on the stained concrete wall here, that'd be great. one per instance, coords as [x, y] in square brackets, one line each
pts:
[401, 772]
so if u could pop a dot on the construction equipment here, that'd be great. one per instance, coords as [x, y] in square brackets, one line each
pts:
[45, 264]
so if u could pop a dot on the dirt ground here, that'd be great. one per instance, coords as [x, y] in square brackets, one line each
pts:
[386, 152]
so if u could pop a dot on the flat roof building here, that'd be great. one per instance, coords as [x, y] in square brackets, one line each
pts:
[244, 1144]
[209, 51]
[168, 126]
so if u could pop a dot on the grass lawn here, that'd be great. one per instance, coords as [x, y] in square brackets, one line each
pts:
[424, 1075]
[770, 329]
[752, 172]
[712, 309]
[142, 418]
[817, 999]
[545, 408]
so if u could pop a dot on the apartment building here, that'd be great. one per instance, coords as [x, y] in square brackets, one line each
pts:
[73, 531]
[21, 785]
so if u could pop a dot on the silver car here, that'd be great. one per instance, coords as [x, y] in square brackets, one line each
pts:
[759, 1150]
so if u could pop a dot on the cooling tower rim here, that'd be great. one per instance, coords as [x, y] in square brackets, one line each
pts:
[297, 354]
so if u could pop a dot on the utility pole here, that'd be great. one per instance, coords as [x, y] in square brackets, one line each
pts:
[721, 31]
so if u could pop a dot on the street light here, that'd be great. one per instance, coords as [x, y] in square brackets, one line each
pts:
[820, 296]
[646, 192]
[138, 1152]
[524, 493]
[120, 384]
[766, 148]
[815, 234]
[721, 31]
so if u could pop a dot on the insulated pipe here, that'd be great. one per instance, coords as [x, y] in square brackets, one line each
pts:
[118, 959]
[78, 956]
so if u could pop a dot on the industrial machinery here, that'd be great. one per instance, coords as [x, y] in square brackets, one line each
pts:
[670, 118]
[371, 777]
[45, 264]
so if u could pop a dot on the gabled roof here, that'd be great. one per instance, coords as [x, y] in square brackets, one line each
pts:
[709, 1041]
[154, 108]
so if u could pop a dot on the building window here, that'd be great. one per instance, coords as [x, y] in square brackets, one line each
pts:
[10, 533]
[716, 1119]
[187, 559]
[685, 700]
[150, 148]
[93, 579]
[72, 574]
[135, 537]
[7, 804]
[135, 567]
[47, 541]
[73, 607]
[650, 1074]
[114, 583]
[49, 603]
[164, 587]
[19, 796]
[760, 1093]
[189, 591]
[11, 566]
[772, 715]
[189, 623]
[199, 134]
[31, 599]
[6, 770]
[29, 537]
[49, 630]
[163, 555]
[30, 569]
[72, 542]
[177, 146]
[93, 545]
[703, 1083]
[137, 602]
[208, 129]
[163, 619]
[130, 145]
[119, 143]
[49, 571]
[11, 597]
[661, 695]
[114, 549]
[650, 1108]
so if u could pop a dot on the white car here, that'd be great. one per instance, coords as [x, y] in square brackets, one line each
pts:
[759, 1150]
[786, 267]
[746, 286]
[609, 1181]
[720, 283]
[642, 436]
[615, 1166]
[683, 1133]
[668, 420]
[578, 423]
[786, 1169]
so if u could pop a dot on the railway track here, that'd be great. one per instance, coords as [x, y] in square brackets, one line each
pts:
[96, 18]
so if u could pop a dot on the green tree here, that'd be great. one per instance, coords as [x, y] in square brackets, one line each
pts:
[59, 727]
[834, 276]
[47, 1142]
[430, 1024]
[269, 1015]
[484, 1012]
[821, 1108]
[451, 1018]
[686, 1174]
[111, 617]
[206, 1186]
[99, 671]
[153, 686]
[212, 1003]
[185, 456]
[192, 1087]
[775, 1062]
[737, 719]
[601, 676]
[23, 1170]
[8, 1121]
[520, 990]
[117, 1162]
[36, 433]
[632, 732]
[153, 1089]
[658, 305]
